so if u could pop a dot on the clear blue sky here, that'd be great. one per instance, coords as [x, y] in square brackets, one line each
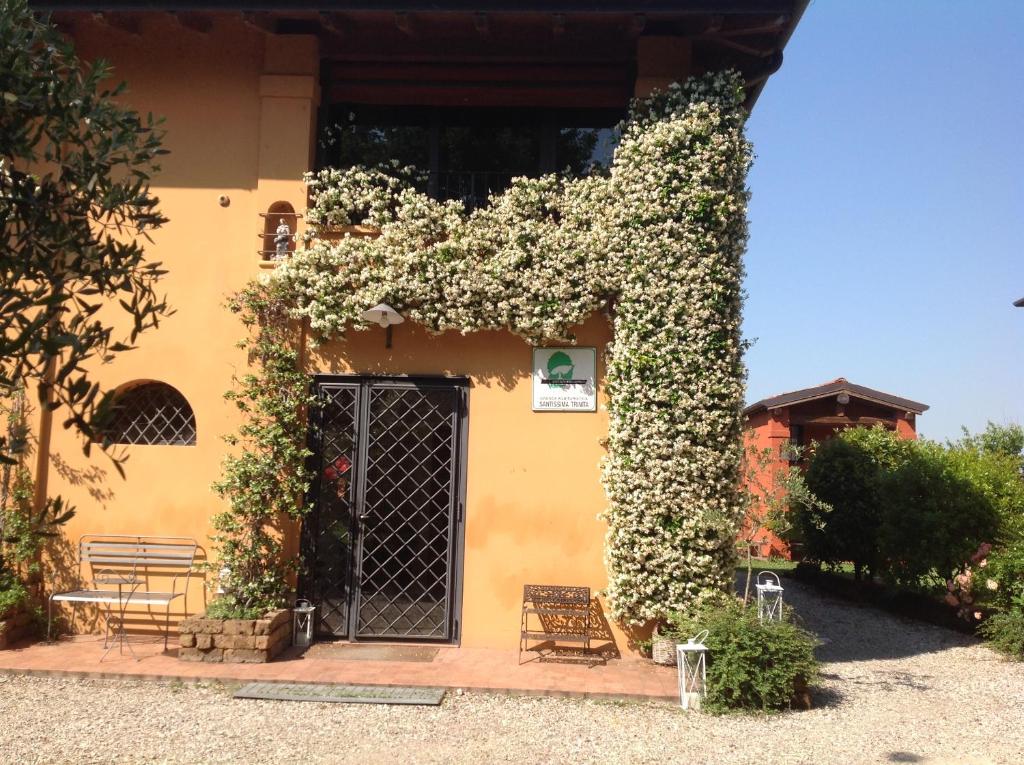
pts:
[887, 219]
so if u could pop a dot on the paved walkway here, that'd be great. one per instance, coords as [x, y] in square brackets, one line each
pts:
[892, 691]
[473, 669]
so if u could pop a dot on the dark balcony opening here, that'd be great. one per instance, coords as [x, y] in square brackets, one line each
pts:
[468, 154]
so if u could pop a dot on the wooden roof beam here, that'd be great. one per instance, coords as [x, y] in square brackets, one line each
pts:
[765, 29]
[259, 21]
[127, 24]
[65, 24]
[406, 23]
[748, 49]
[334, 23]
[196, 22]
[638, 24]
[714, 25]
[690, 8]
[482, 24]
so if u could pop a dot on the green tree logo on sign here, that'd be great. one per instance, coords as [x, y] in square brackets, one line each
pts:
[560, 366]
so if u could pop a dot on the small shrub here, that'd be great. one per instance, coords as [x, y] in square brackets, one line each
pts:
[226, 607]
[1005, 632]
[751, 666]
[12, 593]
[1000, 580]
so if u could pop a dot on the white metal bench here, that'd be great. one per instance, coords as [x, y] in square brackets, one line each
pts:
[121, 569]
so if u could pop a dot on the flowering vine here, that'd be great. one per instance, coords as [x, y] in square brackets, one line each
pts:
[657, 242]
[266, 478]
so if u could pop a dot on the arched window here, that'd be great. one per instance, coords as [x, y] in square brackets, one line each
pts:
[152, 413]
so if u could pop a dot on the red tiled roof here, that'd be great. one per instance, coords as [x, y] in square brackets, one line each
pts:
[834, 388]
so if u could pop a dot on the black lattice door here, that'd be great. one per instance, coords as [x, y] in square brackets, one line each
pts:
[389, 458]
[329, 533]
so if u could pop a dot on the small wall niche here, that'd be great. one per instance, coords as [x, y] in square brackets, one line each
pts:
[277, 238]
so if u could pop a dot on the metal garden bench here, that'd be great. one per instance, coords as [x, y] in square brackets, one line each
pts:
[121, 571]
[560, 615]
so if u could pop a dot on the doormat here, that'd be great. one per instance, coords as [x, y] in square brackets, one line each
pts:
[341, 694]
[350, 652]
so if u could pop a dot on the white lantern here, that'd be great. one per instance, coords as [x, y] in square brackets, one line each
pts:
[302, 624]
[691, 657]
[769, 597]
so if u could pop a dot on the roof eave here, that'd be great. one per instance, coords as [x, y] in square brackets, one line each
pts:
[798, 11]
[782, 402]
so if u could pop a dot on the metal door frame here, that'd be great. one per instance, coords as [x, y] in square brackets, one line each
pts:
[461, 385]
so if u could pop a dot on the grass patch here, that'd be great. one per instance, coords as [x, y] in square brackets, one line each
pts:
[772, 564]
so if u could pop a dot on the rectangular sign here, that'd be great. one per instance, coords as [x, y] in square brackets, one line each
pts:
[565, 379]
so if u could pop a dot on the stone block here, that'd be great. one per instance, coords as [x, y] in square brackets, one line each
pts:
[188, 625]
[261, 627]
[239, 626]
[213, 626]
[234, 641]
[244, 656]
[186, 640]
[204, 641]
[213, 656]
[190, 654]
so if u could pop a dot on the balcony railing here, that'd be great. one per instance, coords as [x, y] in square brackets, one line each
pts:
[469, 187]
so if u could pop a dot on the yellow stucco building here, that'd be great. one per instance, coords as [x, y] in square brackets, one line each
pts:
[246, 97]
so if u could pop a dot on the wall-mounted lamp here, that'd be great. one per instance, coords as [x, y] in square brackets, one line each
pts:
[843, 398]
[385, 316]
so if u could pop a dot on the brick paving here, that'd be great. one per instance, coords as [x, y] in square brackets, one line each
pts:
[472, 669]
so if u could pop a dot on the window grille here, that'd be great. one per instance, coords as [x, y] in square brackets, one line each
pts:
[152, 413]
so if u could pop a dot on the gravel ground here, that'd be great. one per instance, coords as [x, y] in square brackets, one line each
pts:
[893, 691]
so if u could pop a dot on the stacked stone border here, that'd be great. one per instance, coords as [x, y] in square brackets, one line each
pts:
[235, 641]
[15, 625]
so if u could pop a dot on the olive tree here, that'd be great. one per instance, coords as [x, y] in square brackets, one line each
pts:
[75, 286]
[75, 211]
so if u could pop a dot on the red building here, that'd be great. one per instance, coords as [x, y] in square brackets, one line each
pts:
[801, 417]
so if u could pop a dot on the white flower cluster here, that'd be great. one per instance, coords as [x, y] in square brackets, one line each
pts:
[658, 241]
[357, 195]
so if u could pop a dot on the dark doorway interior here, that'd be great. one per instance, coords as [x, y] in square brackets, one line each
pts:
[383, 542]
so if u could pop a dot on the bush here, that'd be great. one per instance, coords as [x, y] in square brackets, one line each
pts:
[934, 518]
[227, 607]
[992, 466]
[751, 666]
[913, 512]
[845, 473]
[1002, 577]
[12, 593]
[1007, 440]
[1005, 631]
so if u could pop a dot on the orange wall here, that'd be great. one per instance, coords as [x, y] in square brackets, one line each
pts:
[533, 487]
[239, 114]
[208, 87]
